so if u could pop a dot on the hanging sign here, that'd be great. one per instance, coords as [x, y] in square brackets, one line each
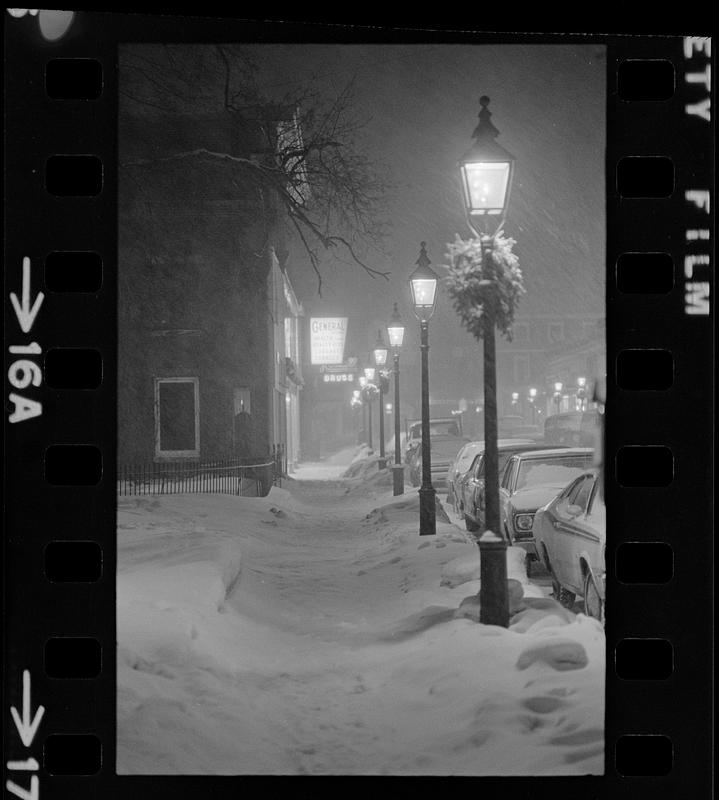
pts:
[327, 339]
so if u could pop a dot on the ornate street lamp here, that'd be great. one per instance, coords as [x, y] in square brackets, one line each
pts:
[486, 170]
[380, 359]
[369, 373]
[423, 284]
[395, 332]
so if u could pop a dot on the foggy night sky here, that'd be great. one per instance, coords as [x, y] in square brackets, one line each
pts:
[421, 105]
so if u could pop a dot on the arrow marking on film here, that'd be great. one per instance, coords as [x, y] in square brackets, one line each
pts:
[25, 312]
[24, 794]
[30, 765]
[28, 725]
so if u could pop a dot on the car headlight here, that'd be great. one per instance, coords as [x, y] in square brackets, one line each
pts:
[523, 522]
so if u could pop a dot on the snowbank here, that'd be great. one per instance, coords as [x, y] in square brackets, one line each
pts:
[314, 632]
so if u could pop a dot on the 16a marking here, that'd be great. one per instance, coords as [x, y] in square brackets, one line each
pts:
[23, 372]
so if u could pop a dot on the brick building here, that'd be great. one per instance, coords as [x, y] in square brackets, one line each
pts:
[208, 331]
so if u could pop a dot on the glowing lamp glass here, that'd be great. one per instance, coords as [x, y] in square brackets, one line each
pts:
[380, 356]
[485, 186]
[424, 291]
[396, 335]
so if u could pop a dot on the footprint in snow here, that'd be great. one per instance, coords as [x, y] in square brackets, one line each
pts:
[543, 704]
[585, 736]
[573, 756]
[562, 655]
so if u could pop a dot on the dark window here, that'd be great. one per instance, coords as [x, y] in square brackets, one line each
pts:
[574, 496]
[507, 479]
[585, 491]
[177, 417]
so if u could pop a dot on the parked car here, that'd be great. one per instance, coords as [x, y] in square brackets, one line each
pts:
[438, 426]
[506, 425]
[570, 536]
[530, 481]
[532, 432]
[458, 470]
[443, 451]
[573, 428]
[470, 497]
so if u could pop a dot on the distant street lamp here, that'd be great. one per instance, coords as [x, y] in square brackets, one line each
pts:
[362, 381]
[532, 398]
[486, 170]
[395, 332]
[582, 393]
[380, 359]
[423, 284]
[367, 392]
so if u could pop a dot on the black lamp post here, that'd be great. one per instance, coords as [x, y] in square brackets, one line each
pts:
[380, 359]
[487, 170]
[423, 283]
[395, 332]
[369, 378]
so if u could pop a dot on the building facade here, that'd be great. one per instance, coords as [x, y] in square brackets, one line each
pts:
[208, 321]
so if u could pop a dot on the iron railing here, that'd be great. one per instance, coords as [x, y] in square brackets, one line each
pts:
[240, 476]
[278, 453]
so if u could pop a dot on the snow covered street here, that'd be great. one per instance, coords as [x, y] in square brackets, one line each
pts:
[313, 631]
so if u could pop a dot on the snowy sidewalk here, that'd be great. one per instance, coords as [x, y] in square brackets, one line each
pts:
[314, 632]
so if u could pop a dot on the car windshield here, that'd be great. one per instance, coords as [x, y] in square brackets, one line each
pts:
[502, 458]
[436, 428]
[467, 456]
[548, 469]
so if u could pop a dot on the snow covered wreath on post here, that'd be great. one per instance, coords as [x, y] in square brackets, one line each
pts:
[470, 287]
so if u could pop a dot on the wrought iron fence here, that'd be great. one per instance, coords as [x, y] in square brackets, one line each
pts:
[279, 458]
[240, 476]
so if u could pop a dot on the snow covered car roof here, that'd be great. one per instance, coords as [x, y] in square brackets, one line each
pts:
[558, 451]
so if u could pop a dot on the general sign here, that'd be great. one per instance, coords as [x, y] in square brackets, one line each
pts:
[327, 339]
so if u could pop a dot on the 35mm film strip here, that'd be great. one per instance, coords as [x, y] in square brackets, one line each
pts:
[62, 279]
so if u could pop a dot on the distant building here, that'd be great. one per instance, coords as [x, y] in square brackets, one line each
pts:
[545, 349]
[577, 368]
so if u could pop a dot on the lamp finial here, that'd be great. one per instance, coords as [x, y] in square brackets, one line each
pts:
[485, 129]
[423, 260]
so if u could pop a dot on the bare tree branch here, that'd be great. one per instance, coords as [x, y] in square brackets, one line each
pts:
[331, 193]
